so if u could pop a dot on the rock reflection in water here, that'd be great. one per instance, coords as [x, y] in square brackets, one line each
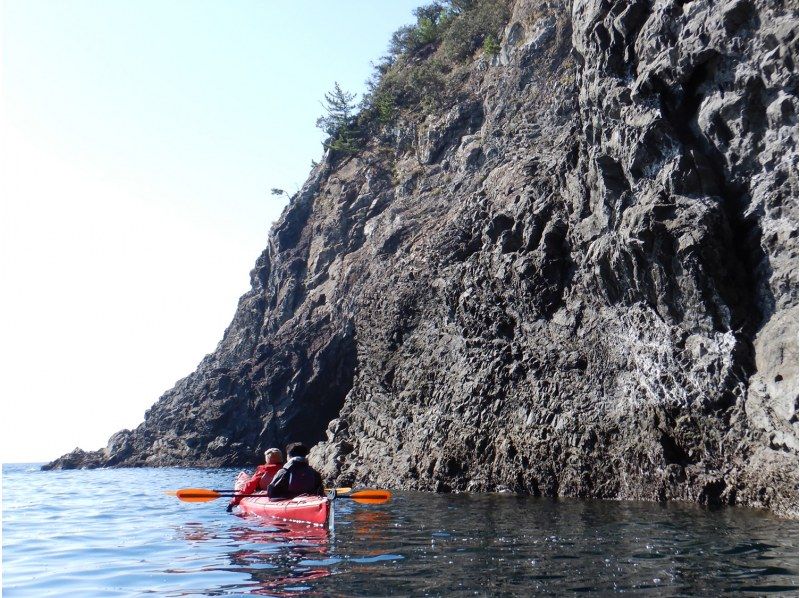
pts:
[497, 544]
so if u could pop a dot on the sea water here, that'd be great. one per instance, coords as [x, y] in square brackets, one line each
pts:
[115, 532]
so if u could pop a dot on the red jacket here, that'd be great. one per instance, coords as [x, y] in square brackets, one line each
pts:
[260, 480]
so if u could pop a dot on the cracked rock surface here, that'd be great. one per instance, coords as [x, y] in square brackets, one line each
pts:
[578, 280]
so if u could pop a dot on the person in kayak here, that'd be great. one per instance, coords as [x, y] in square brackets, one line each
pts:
[297, 476]
[262, 476]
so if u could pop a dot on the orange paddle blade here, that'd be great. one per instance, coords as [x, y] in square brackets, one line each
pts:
[197, 494]
[370, 496]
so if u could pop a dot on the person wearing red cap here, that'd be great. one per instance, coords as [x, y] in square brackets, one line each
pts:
[262, 476]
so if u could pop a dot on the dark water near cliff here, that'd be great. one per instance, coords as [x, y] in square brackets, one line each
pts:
[115, 533]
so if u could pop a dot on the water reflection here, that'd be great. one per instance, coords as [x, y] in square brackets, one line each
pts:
[271, 557]
[276, 554]
[505, 545]
[84, 544]
[193, 532]
[371, 526]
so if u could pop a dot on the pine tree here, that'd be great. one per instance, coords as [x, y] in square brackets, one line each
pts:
[339, 121]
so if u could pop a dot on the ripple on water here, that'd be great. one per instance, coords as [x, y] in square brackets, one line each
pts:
[114, 533]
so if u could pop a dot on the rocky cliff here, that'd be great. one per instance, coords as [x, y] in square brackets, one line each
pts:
[576, 275]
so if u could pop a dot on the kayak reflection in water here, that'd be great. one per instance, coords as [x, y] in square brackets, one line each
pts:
[261, 478]
[297, 476]
[288, 547]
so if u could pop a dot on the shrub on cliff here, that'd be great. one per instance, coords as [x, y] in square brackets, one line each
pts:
[480, 19]
[432, 21]
[458, 27]
[491, 46]
[422, 57]
[385, 107]
[422, 85]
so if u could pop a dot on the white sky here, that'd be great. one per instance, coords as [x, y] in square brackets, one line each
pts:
[139, 144]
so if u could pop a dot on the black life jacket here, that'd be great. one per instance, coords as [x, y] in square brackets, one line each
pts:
[301, 478]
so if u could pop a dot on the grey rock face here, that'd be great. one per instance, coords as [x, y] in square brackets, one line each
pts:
[581, 280]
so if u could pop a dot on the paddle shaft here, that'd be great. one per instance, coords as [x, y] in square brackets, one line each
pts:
[205, 494]
[226, 494]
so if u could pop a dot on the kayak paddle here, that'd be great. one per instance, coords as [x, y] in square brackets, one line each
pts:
[192, 491]
[368, 496]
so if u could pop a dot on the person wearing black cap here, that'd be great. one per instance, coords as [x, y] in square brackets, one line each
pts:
[297, 476]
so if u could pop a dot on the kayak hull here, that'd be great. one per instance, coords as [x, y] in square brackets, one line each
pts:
[314, 510]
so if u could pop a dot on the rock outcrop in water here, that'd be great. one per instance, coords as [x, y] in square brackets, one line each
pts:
[579, 278]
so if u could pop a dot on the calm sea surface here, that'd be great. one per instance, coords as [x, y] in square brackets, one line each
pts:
[115, 533]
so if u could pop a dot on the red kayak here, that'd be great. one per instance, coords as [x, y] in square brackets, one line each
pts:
[315, 510]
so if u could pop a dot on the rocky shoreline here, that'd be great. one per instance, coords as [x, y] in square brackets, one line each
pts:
[579, 278]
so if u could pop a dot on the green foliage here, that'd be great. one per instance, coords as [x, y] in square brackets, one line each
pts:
[402, 40]
[432, 12]
[477, 20]
[426, 32]
[421, 69]
[426, 83]
[339, 108]
[345, 142]
[460, 26]
[421, 84]
[339, 121]
[460, 6]
[432, 21]
[385, 107]
[490, 45]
